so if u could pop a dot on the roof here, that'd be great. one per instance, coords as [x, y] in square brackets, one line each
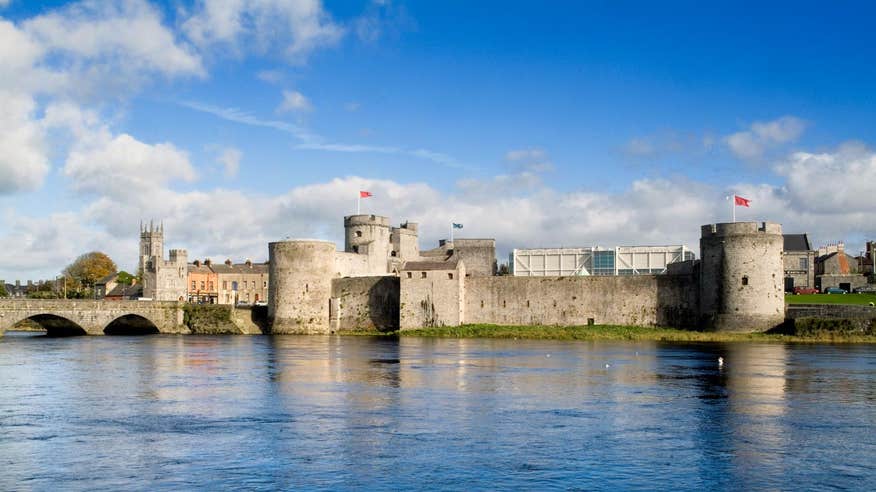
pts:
[123, 290]
[240, 268]
[109, 278]
[796, 242]
[430, 265]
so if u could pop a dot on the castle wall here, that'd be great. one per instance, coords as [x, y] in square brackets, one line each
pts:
[479, 256]
[432, 298]
[351, 265]
[741, 284]
[643, 300]
[365, 304]
[300, 283]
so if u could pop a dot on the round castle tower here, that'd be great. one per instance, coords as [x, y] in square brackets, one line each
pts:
[300, 276]
[369, 235]
[741, 276]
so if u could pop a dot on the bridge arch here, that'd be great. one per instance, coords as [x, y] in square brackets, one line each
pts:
[56, 326]
[131, 324]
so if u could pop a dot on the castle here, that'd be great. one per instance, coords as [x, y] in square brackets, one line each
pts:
[381, 280]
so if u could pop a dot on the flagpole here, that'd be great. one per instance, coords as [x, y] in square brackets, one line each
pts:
[358, 203]
[451, 231]
[733, 204]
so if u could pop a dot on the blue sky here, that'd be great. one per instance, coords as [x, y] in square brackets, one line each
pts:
[574, 123]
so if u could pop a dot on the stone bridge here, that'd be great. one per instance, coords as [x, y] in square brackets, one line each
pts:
[64, 317]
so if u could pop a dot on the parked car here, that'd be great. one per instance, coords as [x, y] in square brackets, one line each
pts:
[805, 290]
[835, 290]
[866, 289]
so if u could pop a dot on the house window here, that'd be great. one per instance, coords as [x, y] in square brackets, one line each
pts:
[193, 285]
[203, 285]
[210, 285]
[410, 275]
[234, 285]
[422, 274]
[224, 285]
[804, 264]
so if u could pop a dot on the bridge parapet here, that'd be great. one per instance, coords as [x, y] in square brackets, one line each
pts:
[92, 316]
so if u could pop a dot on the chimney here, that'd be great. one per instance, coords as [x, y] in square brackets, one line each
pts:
[249, 262]
[228, 261]
[208, 262]
[197, 263]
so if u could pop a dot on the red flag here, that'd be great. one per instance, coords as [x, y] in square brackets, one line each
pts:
[364, 194]
[742, 202]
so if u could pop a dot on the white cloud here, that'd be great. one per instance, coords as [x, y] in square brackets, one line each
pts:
[533, 160]
[751, 144]
[295, 102]
[100, 163]
[832, 182]
[24, 161]
[111, 44]
[229, 158]
[299, 26]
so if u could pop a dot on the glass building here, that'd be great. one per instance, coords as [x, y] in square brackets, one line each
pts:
[620, 260]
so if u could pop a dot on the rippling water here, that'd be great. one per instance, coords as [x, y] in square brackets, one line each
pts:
[175, 412]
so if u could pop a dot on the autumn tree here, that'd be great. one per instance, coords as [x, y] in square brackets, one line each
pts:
[89, 268]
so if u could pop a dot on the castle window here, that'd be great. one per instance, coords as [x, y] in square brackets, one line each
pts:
[745, 280]
[422, 274]
[450, 276]
[264, 285]
[392, 253]
[410, 275]
[527, 303]
[355, 249]
[482, 303]
[358, 233]
[503, 303]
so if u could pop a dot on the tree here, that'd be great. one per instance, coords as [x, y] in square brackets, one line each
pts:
[3, 291]
[89, 268]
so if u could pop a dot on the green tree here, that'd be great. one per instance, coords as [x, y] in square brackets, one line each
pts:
[89, 268]
[3, 291]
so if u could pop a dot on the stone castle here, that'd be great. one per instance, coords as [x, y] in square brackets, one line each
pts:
[381, 280]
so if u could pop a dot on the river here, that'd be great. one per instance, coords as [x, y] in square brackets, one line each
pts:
[296, 412]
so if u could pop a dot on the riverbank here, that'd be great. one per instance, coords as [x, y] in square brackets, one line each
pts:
[623, 333]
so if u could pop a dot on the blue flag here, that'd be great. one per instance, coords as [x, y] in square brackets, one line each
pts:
[457, 226]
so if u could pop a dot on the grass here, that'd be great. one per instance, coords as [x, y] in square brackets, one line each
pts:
[864, 299]
[617, 333]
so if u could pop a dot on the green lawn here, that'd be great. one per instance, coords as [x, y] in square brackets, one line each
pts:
[831, 299]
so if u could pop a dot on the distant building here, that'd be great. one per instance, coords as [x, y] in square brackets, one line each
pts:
[620, 260]
[798, 258]
[245, 282]
[202, 283]
[163, 280]
[835, 268]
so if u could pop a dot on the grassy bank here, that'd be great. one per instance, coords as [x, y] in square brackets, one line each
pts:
[863, 299]
[620, 333]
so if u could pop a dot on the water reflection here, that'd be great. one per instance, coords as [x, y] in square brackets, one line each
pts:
[333, 412]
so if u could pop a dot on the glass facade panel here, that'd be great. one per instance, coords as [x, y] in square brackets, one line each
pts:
[603, 263]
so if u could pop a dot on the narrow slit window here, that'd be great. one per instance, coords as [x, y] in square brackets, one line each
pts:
[745, 280]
